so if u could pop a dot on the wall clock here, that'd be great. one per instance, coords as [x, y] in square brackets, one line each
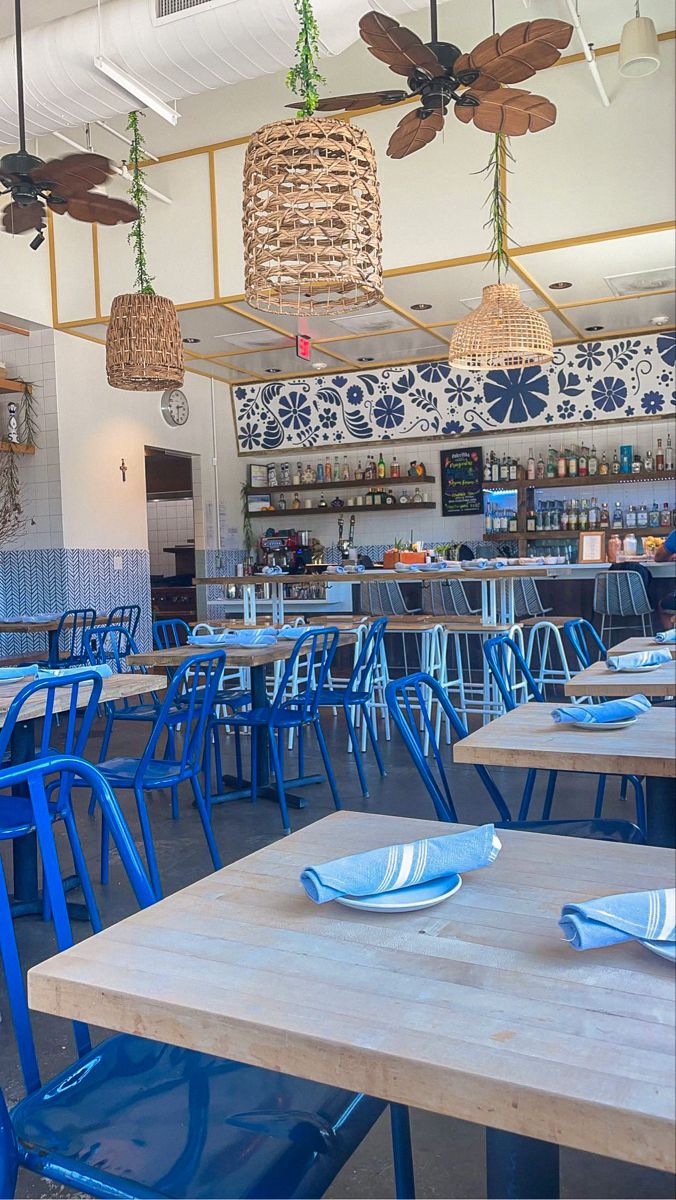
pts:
[174, 406]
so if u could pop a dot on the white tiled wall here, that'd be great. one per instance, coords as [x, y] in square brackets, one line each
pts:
[32, 358]
[170, 523]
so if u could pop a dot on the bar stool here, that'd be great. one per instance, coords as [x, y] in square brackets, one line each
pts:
[544, 637]
[622, 594]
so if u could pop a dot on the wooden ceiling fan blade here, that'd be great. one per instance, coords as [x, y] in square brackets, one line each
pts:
[20, 218]
[359, 100]
[104, 210]
[518, 53]
[415, 130]
[75, 174]
[510, 111]
[400, 48]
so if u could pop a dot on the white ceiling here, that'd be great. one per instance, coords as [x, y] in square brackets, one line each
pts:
[38, 12]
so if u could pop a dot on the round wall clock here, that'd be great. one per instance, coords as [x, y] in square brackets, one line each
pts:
[174, 406]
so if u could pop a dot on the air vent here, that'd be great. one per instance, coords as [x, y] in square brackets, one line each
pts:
[170, 10]
[263, 339]
[369, 322]
[656, 280]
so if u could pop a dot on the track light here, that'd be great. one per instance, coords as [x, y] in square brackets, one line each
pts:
[37, 240]
[136, 89]
[639, 47]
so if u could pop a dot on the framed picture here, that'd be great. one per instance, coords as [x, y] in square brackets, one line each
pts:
[462, 486]
[592, 548]
[258, 475]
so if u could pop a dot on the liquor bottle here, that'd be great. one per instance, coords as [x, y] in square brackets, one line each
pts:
[669, 455]
[665, 516]
[642, 517]
[346, 468]
[336, 469]
[488, 468]
[654, 516]
[593, 514]
[555, 515]
[618, 516]
[539, 518]
[630, 518]
[530, 466]
[573, 516]
[295, 503]
[615, 467]
[550, 471]
[488, 518]
[648, 464]
[390, 498]
[659, 457]
[572, 462]
[540, 468]
[604, 515]
[319, 473]
[583, 461]
[417, 496]
[513, 522]
[564, 517]
[593, 463]
[359, 471]
[504, 470]
[328, 471]
[561, 468]
[281, 503]
[322, 499]
[513, 469]
[382, 470]
[495, 468]
[530, 521]
[637, 465]
[583, 519]
[395, 470]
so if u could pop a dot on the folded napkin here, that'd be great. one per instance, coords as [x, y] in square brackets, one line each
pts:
[9, 673]
[63, 672]
[667, 635]
[602, 714]
[291, 632]
[348, 570]
[391, 868]
[435, 566]
[649, 917]
[272, 571]
[406, 566]
[235, 637]
[642, 658]
[33, 618]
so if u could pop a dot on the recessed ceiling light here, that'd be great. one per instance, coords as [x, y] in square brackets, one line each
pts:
[191, 341]
[593, 328]
[273, 370]
[660, 319]
[559, 287]
[364, 358]
[420, 307]
[319, 366]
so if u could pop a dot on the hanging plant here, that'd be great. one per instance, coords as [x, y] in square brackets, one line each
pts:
[304, 77]
[248, 536]
[496, 170]
[144, 349]
[28, 419]
[12, 519]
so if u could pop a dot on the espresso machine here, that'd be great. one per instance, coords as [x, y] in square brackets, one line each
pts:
[290, 549]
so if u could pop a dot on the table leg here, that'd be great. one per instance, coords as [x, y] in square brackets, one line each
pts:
[661, 812]
[277, 603]
[520, 1168]
[249, 602]
[52, 645]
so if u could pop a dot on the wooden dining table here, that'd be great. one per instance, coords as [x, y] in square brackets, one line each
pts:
[477, 1008]
[529, 737]
[600, 680]
[49, 625]
[27, 900]
[635, 645]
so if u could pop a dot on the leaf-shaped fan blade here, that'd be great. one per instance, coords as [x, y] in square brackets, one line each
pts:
[362, 100]
[414, 131]
[19, 218]
[519, 52]
[510, 111]
[105, 210]
[401, 49]
[74, 175]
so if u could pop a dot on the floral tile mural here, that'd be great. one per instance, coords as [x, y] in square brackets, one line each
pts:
[594, 381]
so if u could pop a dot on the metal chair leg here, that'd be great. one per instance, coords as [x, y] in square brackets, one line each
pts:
[279, 779]
[327, 763]
[402, 1154]
[352, 734]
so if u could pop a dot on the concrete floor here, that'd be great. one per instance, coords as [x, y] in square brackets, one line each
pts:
[448, 1153]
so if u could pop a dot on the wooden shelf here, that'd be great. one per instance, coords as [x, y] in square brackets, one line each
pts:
[574, 481]
[328, 511]
[17, 447]
[333, 485]
[12, 385]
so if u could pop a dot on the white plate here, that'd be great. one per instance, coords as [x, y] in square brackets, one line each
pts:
[663, 949]
[601, 725]
[422, 895]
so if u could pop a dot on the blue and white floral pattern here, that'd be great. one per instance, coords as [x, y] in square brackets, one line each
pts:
[593, 381]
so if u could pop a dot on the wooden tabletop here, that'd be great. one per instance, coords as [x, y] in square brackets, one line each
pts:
[528, 737]
[237, 656]
[477, 1008]
[634, 645]
[41, 626]
[115, 687]
[414, 576]
[600, 680]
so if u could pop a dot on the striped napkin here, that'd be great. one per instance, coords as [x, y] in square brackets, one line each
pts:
[63, 672]
[235, 637]
[9, 673]
[667, 635]
[391, 868]
[649, 917]
[601, 714]
[642, 658]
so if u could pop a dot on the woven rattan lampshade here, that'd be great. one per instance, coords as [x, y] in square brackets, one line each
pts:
[501, 332]
[144, 349]
[312, 229]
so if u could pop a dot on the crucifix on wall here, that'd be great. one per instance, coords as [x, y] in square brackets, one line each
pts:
[123, 470]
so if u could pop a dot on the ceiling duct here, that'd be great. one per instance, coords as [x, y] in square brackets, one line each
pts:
[658, 279]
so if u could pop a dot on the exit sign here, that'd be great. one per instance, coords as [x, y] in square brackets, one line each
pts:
[303, 346]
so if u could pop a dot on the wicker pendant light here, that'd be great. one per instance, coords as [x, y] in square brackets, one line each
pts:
[144, 347]
[502, 332]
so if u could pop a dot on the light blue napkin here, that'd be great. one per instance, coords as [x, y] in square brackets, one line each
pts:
[391, 868]
[602, 714]
[235, 637]
[406, 566]
[642, 658]
[9, 673]
[649, 917]
[435, 566]
[667, 635]
[344, 571]
[63, 672]
[34, 618]
[291, 632]
[272, 571]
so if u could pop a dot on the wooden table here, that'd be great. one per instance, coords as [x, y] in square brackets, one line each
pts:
[600, 680]
[476, 1009]
[635, 645]
[27, 900]
[49, 627]
[528, 737]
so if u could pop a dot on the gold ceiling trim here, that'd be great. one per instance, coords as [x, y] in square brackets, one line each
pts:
[539, 291]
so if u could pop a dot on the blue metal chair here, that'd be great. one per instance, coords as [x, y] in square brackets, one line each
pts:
[68, 646]
[112, 644]
[127, 615]
[133, 1118]
[505, 660]
[299, 711]
[197, 682]
[585, 642]
[411, 697]
[357, 695]
[170, 633]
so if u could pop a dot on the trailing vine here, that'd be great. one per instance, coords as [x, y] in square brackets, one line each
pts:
[139, 196]
[12, 519]
[304, 78]
[29, 422]
[247, 528]
[495, 170]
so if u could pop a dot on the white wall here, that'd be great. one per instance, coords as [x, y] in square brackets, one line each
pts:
[25, 289]
[170, 523]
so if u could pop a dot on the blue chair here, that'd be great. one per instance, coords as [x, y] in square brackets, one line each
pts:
[112, 644]
[196, 680]
[133, 1118]
[421, 692]
[504, 660]
[170, 633]
[357, 695]
[299, 711]
[127, 615]
[67, 648]
[585, 642]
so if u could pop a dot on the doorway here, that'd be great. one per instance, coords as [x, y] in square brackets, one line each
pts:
[171, 533]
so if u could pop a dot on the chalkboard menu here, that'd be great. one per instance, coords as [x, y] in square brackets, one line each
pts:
[462, 474]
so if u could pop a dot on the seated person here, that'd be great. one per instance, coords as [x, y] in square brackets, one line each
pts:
[666, 609]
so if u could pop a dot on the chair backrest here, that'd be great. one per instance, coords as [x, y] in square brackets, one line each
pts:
[112, 644]
[127, 615]
[510, 671]
[32, 776]
[170, 633]
[585, 642]
[527, 601]
[317, 648]
[188, 701]
[79, 712]
[68, 646]
[621, 594]
[361, 680]
[446, 597]
[410, 701]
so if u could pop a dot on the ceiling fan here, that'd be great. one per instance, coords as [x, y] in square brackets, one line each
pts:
[439, 74]
[63, 184]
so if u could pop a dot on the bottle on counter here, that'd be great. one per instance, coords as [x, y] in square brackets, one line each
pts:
[530, 466]
[488, 518]
[583, 461]
[654, 516]
[593, 463]
[561, 464]
[382, 469]
[395, 470]
[618, 516]
[629, 545]
[665, 516]
[359, 471]
[336, 469]
[659, 457]
[648, 463]
[513, 522]
[573, 517]
[404, 498]
[614, 547]
[615, 468]
[604, 469]
[564, 517]
[669, 455]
